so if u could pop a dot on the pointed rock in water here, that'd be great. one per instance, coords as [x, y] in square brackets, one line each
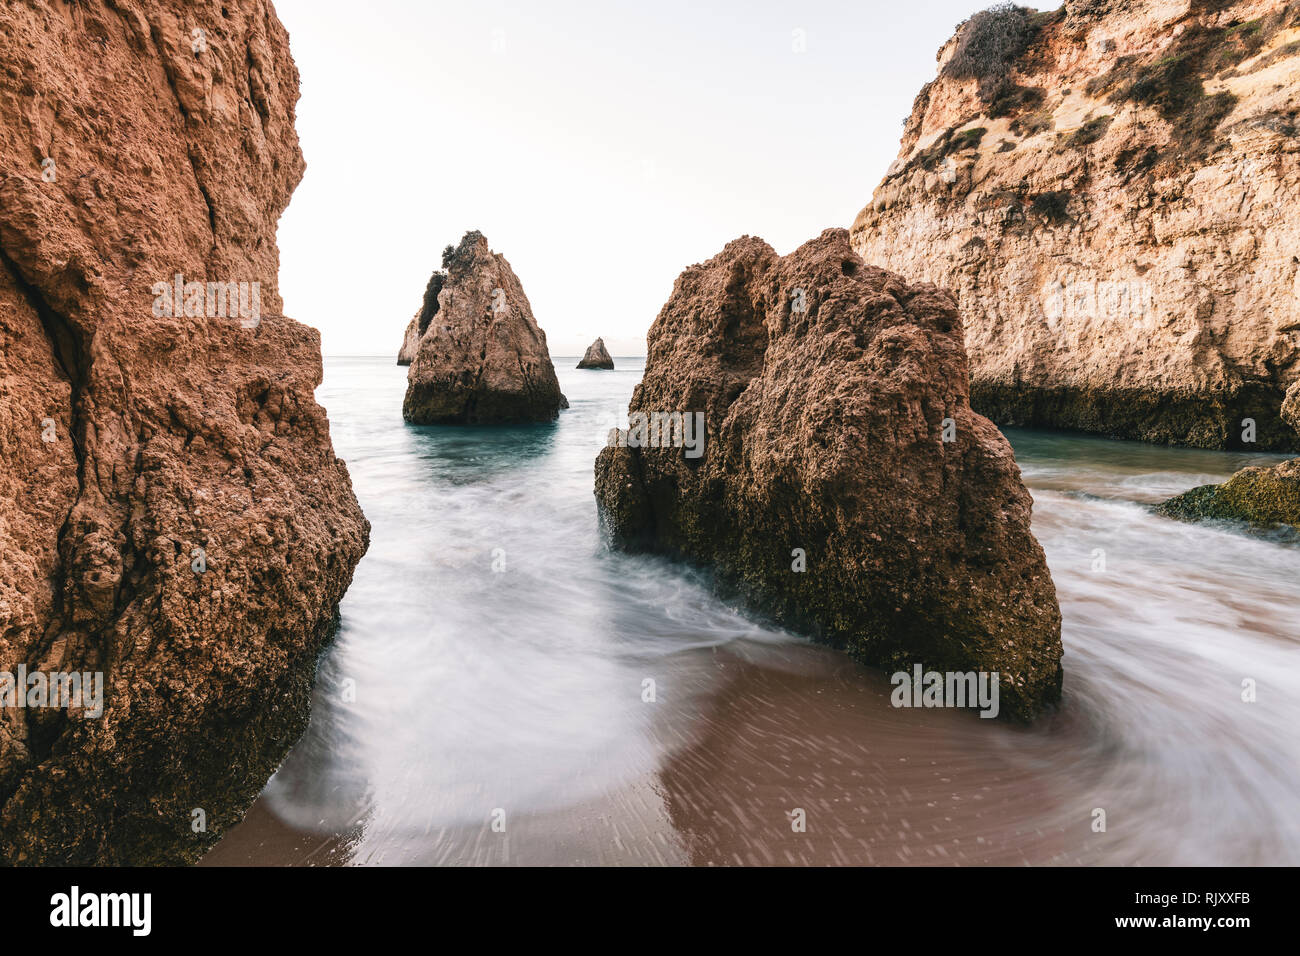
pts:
[481, 357]
[410, 342]
[596, 356]
[172, 514]
[843, 480]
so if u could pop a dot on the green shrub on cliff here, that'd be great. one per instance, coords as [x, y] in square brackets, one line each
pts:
[1009, 98]
[1091, 131]
[1052, 206]
[950, 142]
[1173, 83]
[990, 41]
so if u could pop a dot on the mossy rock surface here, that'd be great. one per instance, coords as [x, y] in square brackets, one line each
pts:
[1265, 497]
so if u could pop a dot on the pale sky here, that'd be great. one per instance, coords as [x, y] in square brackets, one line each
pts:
[601, 147]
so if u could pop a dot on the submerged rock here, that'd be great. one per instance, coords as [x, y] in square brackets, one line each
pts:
[596, 356]
[1260, 496]
[172, 515]
[1265, 497]
[804, 427]
[481, 357]
[1112, 193]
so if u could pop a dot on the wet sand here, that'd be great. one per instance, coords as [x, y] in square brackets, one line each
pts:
[777, 730]
[780, 730]
[519, 695]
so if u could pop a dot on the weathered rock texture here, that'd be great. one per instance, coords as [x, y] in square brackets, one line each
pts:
[1112, 192]
[596, 356]
[419, 323]
[1291, 406]
[174, 152]
[410, 342]
[481, 357]
[826, 386]
[1260, 496]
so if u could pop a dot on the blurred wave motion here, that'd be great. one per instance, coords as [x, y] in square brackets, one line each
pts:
[505, 690]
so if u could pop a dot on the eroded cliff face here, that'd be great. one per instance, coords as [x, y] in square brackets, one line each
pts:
[810, 437]
[1112, 191]
[172, 514]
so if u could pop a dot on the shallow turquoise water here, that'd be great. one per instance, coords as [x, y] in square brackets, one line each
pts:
[492, 660]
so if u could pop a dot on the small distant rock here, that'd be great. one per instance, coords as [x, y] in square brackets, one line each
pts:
[479, 355]
[596, 356]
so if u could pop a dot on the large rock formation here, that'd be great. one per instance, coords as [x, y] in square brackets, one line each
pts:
[1112, 192]
[825, 458]
[596, 356]
[171, 511]
[481, 356]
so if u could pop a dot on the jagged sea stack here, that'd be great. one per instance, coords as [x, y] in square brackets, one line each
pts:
[1112, 192]
[596, 357]
[843, 480]
[481, 357]
[172, 514]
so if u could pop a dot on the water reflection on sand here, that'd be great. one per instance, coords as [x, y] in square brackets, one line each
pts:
[518, 694]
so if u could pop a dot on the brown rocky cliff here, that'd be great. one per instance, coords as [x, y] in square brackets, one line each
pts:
[832, 397]
[1112, 193]
[140, 140]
